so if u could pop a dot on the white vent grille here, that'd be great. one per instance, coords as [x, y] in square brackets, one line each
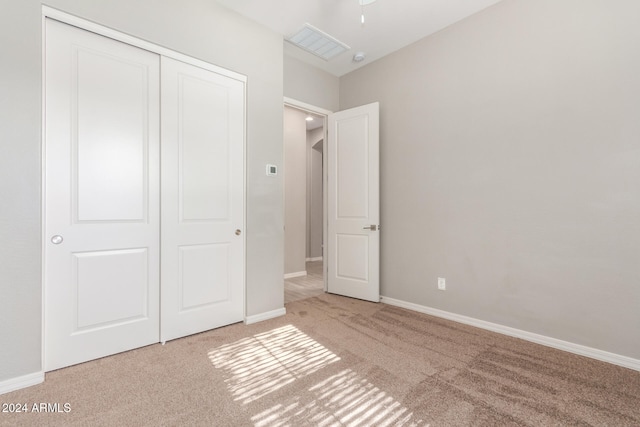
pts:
[318, 43]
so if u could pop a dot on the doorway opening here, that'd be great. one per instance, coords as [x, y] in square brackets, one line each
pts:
[304, 177]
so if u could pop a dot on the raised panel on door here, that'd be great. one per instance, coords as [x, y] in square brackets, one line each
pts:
[352, 254]
[353, 203]
[108, 113]
[100, 279]
[352, 168]
[101, 196]
[202, 200]
[203, 277]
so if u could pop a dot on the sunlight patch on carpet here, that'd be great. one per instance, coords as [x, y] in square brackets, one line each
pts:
[344, 399]
[259, 365]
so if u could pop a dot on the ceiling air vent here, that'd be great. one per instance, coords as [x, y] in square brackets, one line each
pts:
[318, 43]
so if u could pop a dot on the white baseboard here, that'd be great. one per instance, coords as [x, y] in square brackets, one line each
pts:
[570, 347]
[265, 316]
[24, 381]
[318, 258]
[296, 274]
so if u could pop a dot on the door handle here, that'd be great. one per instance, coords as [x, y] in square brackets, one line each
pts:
[57, 239]
[238, 232]
[371, 227]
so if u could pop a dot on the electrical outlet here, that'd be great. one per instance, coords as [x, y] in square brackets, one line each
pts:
[442, 284]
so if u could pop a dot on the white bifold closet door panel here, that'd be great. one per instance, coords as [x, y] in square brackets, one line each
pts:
[102, 216]
[202, 239]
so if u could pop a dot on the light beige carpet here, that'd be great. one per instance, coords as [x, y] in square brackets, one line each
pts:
[334, 361]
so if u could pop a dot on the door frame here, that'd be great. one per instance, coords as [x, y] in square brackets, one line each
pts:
[308, 108]
[66, 18]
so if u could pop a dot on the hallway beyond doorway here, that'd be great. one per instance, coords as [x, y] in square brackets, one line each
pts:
[308, 286]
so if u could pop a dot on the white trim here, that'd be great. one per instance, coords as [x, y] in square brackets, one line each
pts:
[43, 186]
[318, 258]
[24, 381]
[308, 108]
[84, 24]
[265, 316]
[570, 347]
[245, 178]
[296, 274]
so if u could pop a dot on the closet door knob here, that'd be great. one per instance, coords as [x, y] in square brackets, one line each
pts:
[57, 239]
[238, 232]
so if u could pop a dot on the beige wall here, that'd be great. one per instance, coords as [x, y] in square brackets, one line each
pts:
[199, 28]
[510, 165]
[295, 190]
[20, 283]
[310, 85]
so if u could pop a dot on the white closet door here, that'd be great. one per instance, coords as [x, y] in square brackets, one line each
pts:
[202, 200]
[101, 196]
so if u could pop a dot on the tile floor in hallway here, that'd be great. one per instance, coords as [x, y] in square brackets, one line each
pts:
[308, 286]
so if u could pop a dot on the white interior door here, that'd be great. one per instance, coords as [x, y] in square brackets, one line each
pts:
[202, 199]
[101, 196]
[353, 203]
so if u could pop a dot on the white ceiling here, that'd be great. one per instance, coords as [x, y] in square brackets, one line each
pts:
[389, 25]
